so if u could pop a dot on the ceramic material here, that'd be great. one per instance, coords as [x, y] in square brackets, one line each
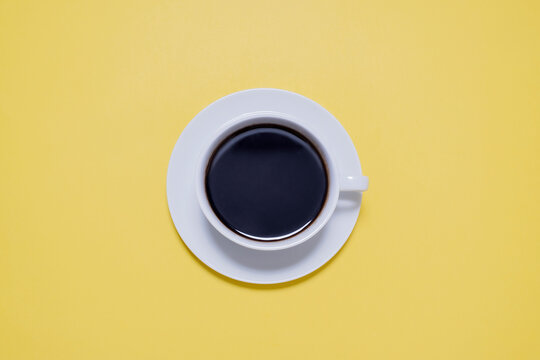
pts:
[348, 182]
[240, 261]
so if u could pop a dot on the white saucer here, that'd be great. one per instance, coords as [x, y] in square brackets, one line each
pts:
[221, 254]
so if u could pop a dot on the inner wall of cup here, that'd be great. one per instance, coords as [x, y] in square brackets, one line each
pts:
[298, 130]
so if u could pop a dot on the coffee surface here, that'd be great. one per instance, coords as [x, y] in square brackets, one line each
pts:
[266, 182]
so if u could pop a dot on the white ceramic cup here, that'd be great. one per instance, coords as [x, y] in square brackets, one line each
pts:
[337, 181]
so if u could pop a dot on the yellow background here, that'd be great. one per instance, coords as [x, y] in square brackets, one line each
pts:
[441, 99]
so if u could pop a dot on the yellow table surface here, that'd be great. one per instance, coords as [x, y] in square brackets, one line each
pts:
[441, 99]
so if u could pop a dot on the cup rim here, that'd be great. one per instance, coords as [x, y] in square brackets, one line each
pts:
[286, 120]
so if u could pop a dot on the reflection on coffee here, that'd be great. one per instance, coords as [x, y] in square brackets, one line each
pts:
[266, 182]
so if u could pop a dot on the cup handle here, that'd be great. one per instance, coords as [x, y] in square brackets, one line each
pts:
[354, 183]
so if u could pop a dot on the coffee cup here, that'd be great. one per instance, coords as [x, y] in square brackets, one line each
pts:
[266, 181]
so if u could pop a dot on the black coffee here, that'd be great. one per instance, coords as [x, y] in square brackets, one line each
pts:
[266, 182]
